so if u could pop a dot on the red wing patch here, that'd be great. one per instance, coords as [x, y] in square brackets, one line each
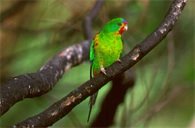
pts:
[96, 41]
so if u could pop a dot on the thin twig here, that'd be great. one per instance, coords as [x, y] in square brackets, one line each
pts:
[90, 17]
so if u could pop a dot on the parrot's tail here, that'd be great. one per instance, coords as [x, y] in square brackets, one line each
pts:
[91, 103]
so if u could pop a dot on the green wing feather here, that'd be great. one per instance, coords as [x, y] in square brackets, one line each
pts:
[91, 58]
[92, 51]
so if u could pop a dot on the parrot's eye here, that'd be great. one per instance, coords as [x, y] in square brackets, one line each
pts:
[119, 24]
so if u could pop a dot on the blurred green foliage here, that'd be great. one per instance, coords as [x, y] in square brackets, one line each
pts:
[52, 25]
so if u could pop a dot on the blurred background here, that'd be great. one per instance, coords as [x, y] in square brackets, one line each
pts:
[32, 31]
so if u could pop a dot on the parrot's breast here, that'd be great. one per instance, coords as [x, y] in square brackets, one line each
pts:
[107, 51]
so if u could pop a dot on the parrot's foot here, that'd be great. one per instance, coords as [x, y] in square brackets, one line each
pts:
[103, 70]
[118, 60]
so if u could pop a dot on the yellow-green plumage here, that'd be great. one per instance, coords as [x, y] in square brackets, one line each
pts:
[106, 51]
[106, 48]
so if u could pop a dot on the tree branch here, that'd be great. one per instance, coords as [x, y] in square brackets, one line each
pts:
[120, 85]
[66, 104]
[38, 83]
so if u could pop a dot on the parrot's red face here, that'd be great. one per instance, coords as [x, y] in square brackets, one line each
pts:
[117, 25]
[123, 27]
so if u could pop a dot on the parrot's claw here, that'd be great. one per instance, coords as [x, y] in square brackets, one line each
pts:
[103, 71]
[119, 60]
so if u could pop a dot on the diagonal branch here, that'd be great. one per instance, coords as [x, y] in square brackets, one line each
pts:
[38, 83]
[120, 85]
[66, 104]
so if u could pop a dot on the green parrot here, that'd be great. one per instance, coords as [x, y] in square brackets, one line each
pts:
[106, 48]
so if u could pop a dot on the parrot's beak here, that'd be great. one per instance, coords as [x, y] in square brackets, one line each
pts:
[126, 27]
[123, 27]
[125, 24]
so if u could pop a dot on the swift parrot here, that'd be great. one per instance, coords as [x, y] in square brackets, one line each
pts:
[106, 48]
